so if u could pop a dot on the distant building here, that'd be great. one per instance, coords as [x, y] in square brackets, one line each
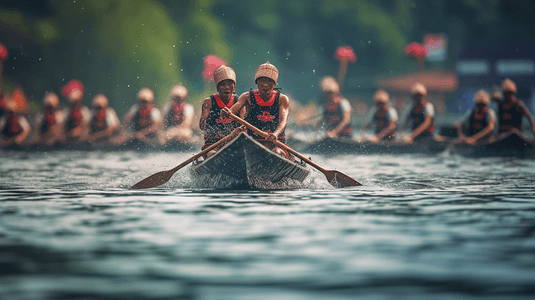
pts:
[484, 65]
[438, 84]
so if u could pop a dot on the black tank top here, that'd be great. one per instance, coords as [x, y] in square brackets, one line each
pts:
[509, 116]
[264, 115]
[98, 122]
[333, 115]
[216, 127]
[142, 118]
[477, 121]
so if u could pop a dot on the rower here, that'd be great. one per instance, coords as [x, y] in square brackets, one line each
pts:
[14, 128]
[178, 117]
[511, 110]
[142, 122]
[479, 123]
[214, 126]
[267, 109]
[49, 123]
[77, 114]
[383, 117]
[421, 116]
[337, 110]
[104, 121]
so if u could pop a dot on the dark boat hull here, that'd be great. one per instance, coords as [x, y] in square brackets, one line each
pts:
[511, 145]
[246, 164]
[340, 146]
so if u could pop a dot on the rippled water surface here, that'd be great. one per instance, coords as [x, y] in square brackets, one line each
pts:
[422, 227]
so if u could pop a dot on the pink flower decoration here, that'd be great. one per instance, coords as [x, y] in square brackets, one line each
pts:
[415, 50]
[3, 52]
[71, 86]
[345, 53]
[211, 63]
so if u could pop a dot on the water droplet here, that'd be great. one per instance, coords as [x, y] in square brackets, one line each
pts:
[128, 85]
[313, 71]
[288, 53]
[39, 59]
[268, 52]
[82, 30]
[173, 46]
[181, 70]
[369, 42]
[170, 64]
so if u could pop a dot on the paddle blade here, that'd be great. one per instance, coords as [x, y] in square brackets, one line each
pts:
[153, 180]
[340, 180]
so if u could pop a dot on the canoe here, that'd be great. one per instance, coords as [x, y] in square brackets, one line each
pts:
[348, 146]
[512, 144]
[244, 163]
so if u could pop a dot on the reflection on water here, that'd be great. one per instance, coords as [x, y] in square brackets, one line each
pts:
[422, 227]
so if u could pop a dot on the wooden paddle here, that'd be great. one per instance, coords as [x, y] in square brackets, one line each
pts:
[162, 177]
[335, 178]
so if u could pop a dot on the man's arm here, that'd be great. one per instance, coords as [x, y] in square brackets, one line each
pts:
[205, 112]
[528, 115]
[243, 101]
[488, 129]
[284, 110]
[418, 130]
[25, 130]
[391, 126]
[188, 116]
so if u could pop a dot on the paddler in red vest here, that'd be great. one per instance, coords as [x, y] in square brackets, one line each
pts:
[178, 116]
[77, 114]
[421, 116]
[104, 121]
[267, 109]
[336, 110]
[14, 128]
[49, 123]
[382, 117]
[213, 125]
[511, 110]
[142, 122]
[479, 123]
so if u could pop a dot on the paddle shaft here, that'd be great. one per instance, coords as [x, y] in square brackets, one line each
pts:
[160, 178]
[205, 151]
[279, 144]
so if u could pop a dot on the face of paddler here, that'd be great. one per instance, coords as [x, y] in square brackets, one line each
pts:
[480, 106]
[418, 99]
[145, 98]
[265, 86]
[508, 96]
[226, 87]
[99, 106]
[380, 105]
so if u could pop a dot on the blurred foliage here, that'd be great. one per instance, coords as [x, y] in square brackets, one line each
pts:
[116, 47]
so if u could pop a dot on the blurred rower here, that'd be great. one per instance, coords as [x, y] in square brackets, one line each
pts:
[383, 117]
[511, 110]
[142, 122]
[421, 116]
[14, 128]
[479, 123]
[178, 117]
[77, 114]
[49, 123]
[336, 109]
[104, 121]
[211, 123]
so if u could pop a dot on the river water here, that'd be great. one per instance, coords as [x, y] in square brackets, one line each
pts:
[421, 227]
